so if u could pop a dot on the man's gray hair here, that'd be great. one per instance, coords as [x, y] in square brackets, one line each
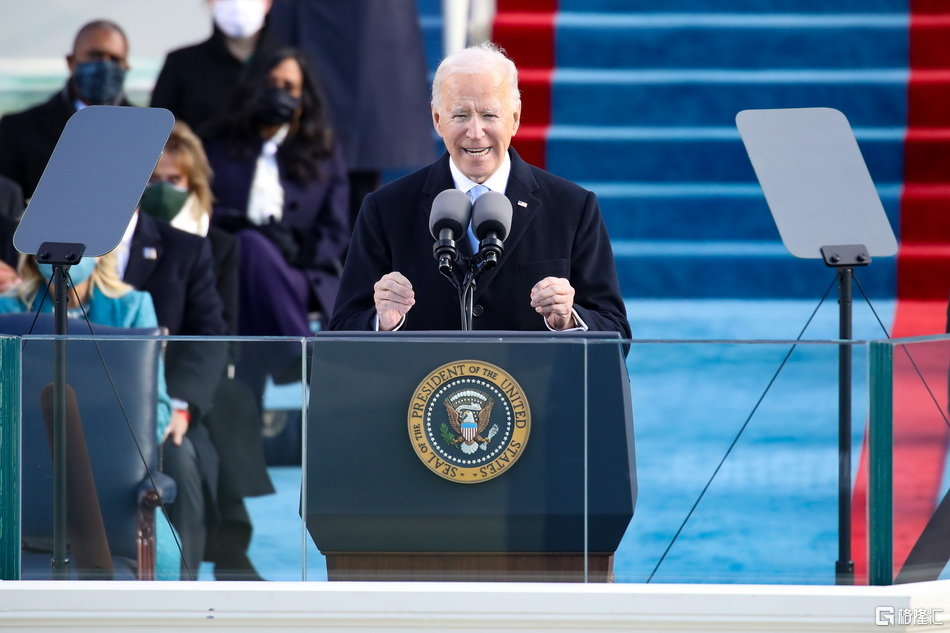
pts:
[481, 58]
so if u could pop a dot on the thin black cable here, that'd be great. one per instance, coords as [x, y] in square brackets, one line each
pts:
[451, 276]
[919, 373]
[42, 301]
[469, 305]
[467, 291]
[735, 440]
[128, 423]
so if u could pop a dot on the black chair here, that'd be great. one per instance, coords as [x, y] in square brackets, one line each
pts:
[113, 448]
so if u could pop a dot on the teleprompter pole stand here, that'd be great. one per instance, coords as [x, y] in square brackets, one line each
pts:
[82, 207]
[61, 255]
[825, 204]
[845, 258]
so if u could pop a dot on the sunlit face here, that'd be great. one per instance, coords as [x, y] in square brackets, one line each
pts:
[287, 76]
[104, 44]
[476, 121]
[168, 171]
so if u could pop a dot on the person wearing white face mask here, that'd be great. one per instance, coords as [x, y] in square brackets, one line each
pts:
[196, 82]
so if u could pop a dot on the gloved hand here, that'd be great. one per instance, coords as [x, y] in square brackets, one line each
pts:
[283, 238]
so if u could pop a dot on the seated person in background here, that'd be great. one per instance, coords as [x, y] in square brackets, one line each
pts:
[180, 192]
[97, 65]
[280, 185]
[105, 299]
[99, 293]
[196, 82]
[177, 270]
[557, 271]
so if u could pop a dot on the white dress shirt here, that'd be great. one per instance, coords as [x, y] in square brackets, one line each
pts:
[266, 199]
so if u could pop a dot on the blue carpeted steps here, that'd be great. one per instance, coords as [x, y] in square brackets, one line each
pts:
[755, 7]
[763, 40]
[643, 110]
[675, 154]
[694, 97]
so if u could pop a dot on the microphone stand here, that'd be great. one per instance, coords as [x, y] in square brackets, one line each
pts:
[479, 263]
[446, 252]
[465, 281]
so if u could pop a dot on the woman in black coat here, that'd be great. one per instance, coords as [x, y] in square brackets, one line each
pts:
[281, 187]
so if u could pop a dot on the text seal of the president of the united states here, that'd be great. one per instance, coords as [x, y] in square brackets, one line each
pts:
[469, 421]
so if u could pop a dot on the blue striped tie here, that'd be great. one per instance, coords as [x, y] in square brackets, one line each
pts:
[473, 195]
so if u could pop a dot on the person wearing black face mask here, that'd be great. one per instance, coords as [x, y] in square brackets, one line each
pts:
[99, 82]
[280, 185]
[276, 107]
[98, 64]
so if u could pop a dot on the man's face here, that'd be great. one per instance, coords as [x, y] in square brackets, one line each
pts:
[103, 44]
[476, 121]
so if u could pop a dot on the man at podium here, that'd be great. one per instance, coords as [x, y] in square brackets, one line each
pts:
[557, 270]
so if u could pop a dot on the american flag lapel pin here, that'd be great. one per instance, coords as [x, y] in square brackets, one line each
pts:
[150, 252]
[522, 203]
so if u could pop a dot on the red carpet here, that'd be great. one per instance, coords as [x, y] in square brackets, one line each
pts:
[923, 284]
[525, 29]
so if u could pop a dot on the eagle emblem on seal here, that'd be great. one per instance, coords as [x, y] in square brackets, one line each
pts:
[469, 413]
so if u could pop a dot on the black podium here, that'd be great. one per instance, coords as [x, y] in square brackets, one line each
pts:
[479, 456]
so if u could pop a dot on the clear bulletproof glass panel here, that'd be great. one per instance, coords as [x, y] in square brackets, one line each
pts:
[368, 470]
[138, 507]
[737, 461]
[909, 487]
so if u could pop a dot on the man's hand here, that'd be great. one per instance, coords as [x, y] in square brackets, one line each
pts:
[177, 426]
[394, 297]
[553, 298]
[8, 277]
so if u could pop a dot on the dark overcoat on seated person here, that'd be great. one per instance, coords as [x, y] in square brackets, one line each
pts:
[27, 138]
[315, 212]
[177, 269]
[557, 230]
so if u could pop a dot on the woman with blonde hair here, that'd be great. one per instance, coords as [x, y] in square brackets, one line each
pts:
[97, 292]
[179, 192]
